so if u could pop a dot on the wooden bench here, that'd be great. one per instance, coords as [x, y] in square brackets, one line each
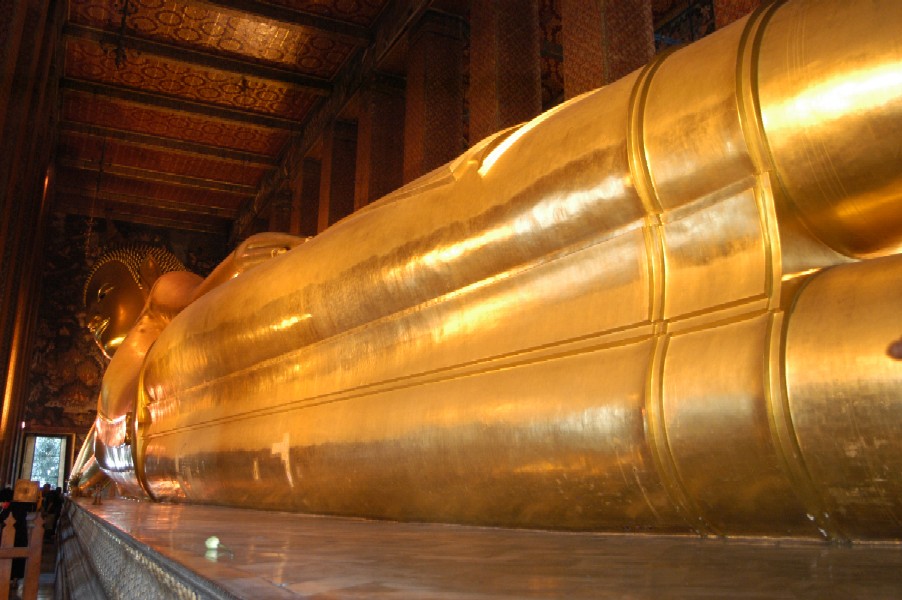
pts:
[31, 554]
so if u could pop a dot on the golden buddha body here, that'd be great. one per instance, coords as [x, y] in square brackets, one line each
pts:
[662, 306]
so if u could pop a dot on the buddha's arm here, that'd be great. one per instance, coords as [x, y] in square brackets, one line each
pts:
[251, 252]
[119, 389]
[170, 294]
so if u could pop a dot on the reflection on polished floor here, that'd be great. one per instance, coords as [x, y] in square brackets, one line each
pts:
[280, 555]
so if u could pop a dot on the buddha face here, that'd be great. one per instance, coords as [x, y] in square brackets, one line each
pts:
[114, 302]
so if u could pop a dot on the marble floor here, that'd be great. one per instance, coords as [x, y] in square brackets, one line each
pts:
[280, 555]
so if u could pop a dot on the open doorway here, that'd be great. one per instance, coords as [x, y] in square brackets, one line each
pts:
[46, 459]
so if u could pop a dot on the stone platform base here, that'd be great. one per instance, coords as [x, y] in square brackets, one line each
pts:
[125, 549]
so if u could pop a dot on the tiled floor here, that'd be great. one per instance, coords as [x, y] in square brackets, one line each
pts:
[280, 555]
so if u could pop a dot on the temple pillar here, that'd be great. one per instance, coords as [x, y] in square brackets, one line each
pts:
[727, 11]
[604, 40]
[433, 117]
[305, 198]
[380, 143]
[280, 211]
[336, 186]
[505, 67]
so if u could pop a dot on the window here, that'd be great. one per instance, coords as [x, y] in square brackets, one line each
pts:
[45, 459]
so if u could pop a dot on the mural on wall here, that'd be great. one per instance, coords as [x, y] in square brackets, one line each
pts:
[676, 22]
[679, 22]
[66, 364]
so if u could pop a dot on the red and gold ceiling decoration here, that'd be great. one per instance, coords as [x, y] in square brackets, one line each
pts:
[173, 111]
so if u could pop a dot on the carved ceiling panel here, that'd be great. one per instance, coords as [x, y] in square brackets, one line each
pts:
[104, 112]
[192, 107]
[221, 31]
[127, 209]
[89, 61]
[150, 193]
[88, 149]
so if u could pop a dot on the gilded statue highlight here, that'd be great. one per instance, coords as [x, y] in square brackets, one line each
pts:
[662, 306]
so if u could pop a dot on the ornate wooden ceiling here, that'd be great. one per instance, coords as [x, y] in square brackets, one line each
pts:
[178, 112]
[173, 112]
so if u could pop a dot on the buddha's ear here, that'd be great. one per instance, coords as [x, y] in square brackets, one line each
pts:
[149, 271]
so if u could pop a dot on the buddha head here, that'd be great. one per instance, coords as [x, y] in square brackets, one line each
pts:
[117, 289]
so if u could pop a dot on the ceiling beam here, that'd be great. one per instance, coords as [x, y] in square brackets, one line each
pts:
[160, 177]
[106, 199]
[313, 85]
[75, 205]
[68, 132]
[168, 143]
[177, 104]
[346, 32]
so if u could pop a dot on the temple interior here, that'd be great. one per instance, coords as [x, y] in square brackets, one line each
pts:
[200, 126]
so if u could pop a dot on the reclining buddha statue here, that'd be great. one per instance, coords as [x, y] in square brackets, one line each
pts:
[663, 306]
